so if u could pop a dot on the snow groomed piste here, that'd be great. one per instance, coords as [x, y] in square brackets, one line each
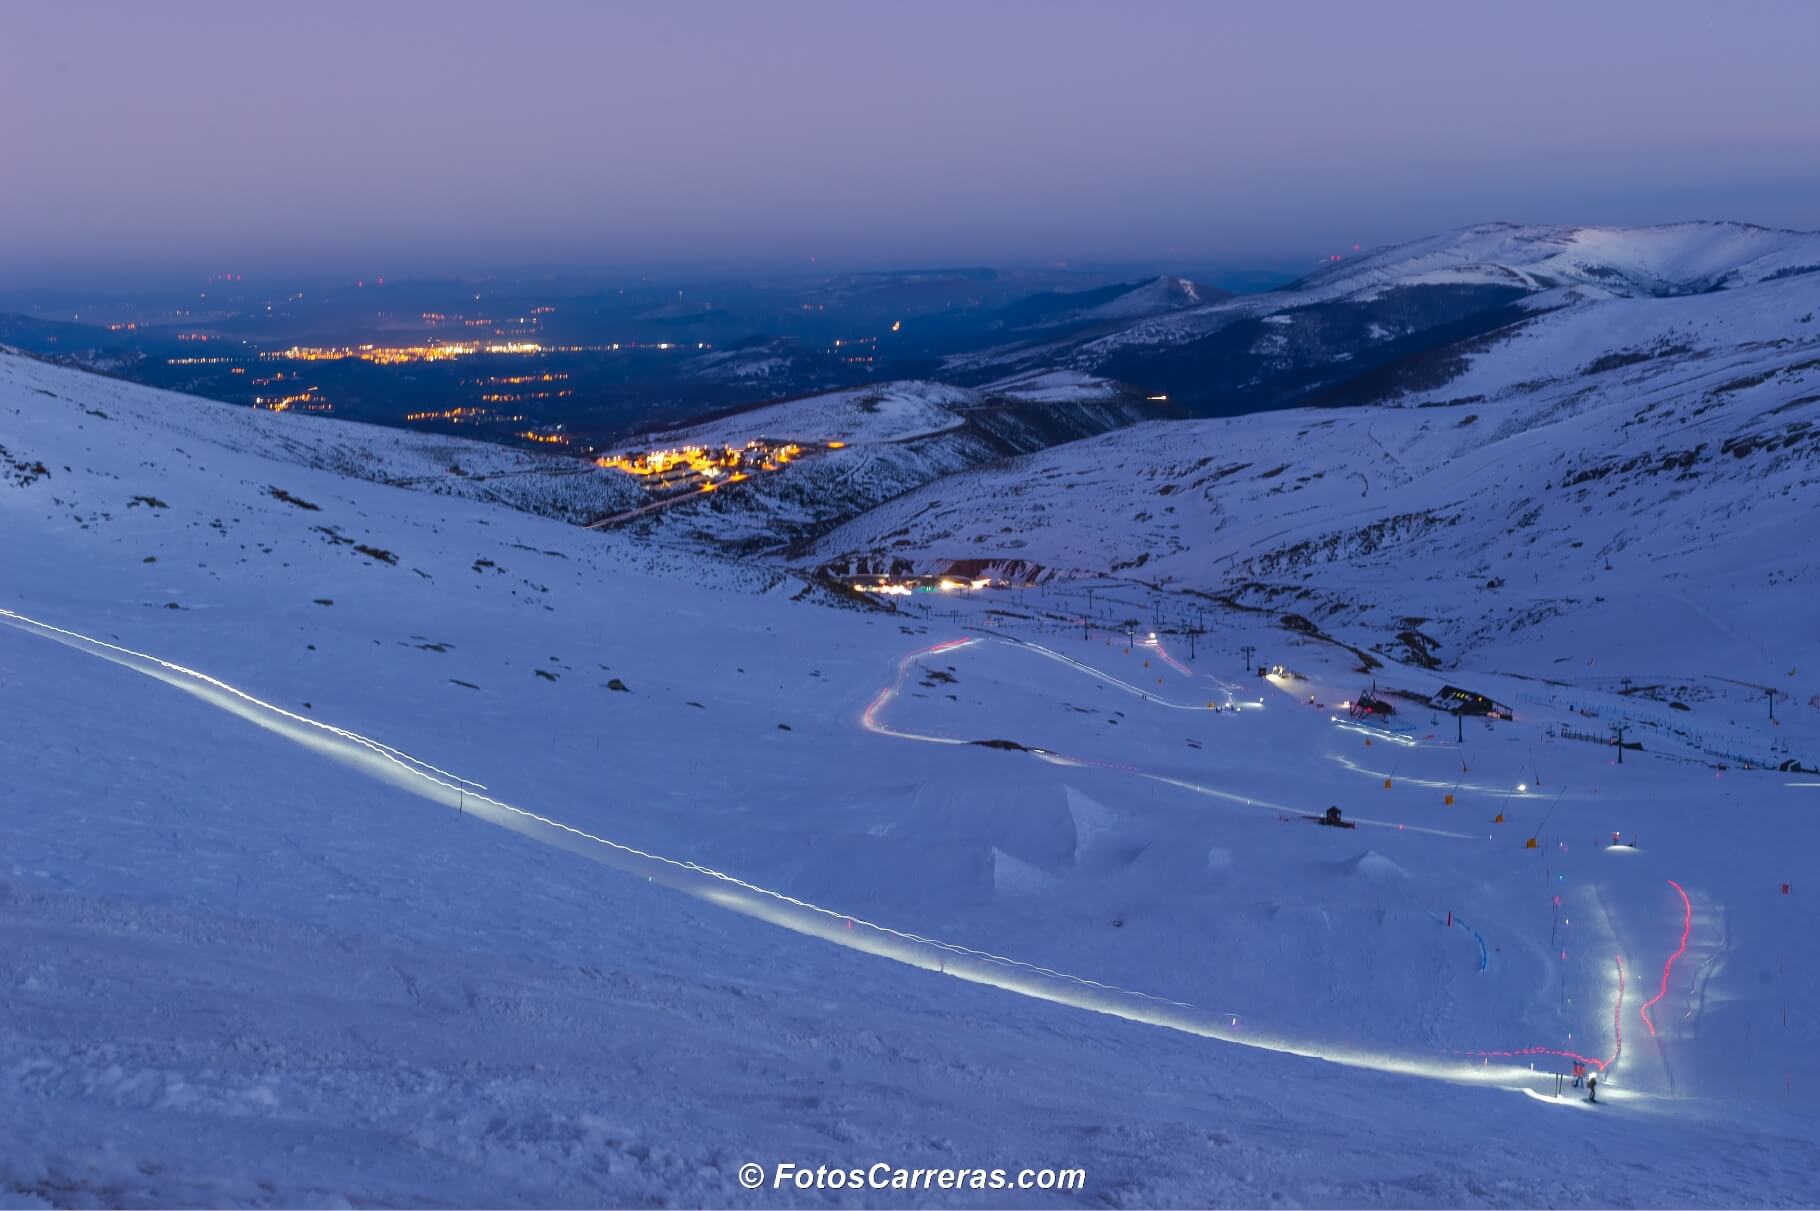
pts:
[385, 763]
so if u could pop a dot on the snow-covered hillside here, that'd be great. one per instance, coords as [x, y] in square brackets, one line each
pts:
[1651, 459]
[1055, 311]
[1673, 259]
[892, 412]
[999, 889]
[1371, 326]
[546, 484]
[1157, 295]
[890, 439]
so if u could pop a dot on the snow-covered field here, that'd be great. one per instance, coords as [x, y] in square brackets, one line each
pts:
[294, 942]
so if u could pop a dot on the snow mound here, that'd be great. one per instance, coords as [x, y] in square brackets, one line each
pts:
[1095, 825]
[1372, 865]
[1015, 877]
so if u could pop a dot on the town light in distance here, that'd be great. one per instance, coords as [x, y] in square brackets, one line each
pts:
[923, 584]
[393, 355]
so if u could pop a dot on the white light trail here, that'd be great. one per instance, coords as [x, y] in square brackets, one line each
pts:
[869, 719]
[382, 761]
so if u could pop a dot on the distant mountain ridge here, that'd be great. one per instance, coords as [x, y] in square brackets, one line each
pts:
[1660, 261]
[1601, 457]
[1368, 327]
[1119, 301]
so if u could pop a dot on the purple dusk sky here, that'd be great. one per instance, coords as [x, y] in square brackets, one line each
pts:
[400, 137]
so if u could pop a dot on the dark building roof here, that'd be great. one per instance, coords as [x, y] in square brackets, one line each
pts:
[1468, 702]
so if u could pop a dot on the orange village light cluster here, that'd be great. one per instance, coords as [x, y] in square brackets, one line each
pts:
[703, 461]
[455, 415]
[945, 584]
[391, 355]
[305, 401]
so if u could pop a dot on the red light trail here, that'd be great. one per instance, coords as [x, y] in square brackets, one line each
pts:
[869, 717]
[1687, 924]
[1171, 661]
[1617, 1030]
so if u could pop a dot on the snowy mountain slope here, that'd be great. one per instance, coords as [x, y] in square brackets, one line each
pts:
[891, 412]
[1669, 260]
[550, 485]
[1654, 458]
[1056, 387]
[893, 438]
[1053, 311]
[481, 1047]
[1158, 294]
[239, 970]
[762, 363]
[1672, 259]
[1401, 315]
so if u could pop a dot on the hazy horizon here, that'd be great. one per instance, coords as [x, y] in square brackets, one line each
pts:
[1239, 274]
[166, 142]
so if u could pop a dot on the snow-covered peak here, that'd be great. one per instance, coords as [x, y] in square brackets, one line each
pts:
[1159, 294]
[1367, 319]
[1675, 258]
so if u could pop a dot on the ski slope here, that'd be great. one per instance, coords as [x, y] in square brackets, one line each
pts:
[248, 960]
[1647, 459]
